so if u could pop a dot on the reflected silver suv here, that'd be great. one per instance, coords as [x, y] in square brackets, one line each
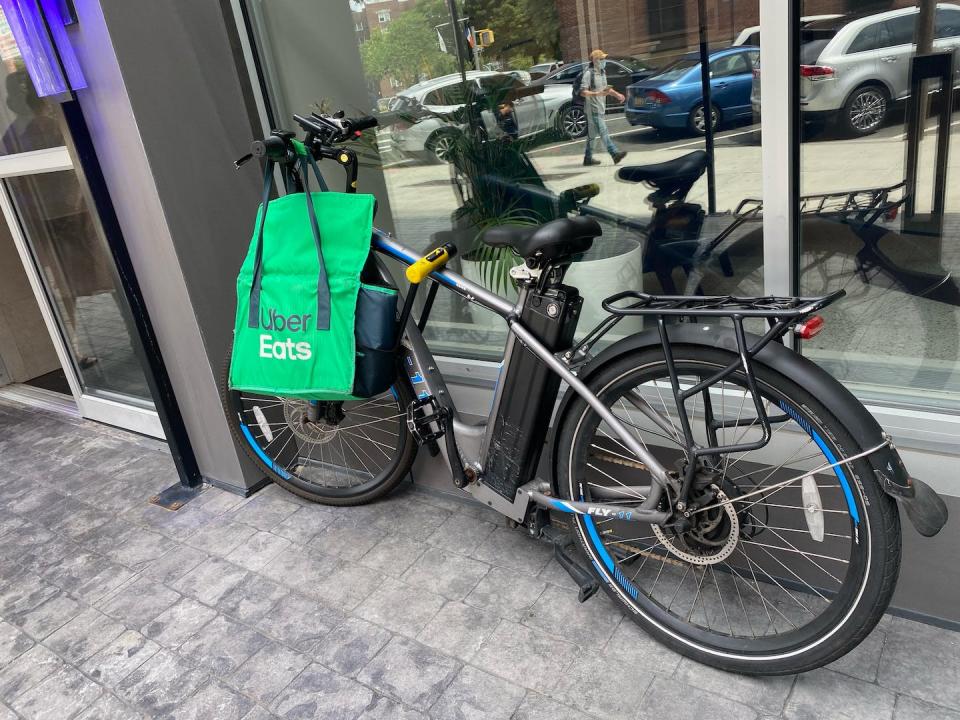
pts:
[853, 69]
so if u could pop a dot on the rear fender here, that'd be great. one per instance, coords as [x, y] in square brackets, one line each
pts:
[923, 506]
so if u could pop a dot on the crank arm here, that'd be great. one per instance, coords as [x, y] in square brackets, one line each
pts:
[600, 510]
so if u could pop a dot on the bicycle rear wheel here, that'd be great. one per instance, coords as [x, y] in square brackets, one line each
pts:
[786, 563]
[356, 451]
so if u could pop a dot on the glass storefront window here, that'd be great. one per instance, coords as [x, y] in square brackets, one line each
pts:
[871, 221]
[476, 133]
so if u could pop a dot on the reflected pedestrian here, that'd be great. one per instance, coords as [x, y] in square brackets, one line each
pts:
[594, 89]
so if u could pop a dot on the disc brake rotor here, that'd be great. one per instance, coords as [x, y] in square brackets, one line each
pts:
[295, 413]
[686, 545]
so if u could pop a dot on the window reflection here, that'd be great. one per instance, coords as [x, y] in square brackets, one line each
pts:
[475, 135]
[866, 226]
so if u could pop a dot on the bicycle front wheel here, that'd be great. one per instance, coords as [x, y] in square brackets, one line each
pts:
[784, 564]
[352, 453]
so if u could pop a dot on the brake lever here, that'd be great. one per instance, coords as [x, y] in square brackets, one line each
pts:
[243, 161]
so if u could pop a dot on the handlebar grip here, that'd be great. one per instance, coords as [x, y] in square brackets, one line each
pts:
[362, 123]
[581, 192]
[434, 260]
[272, 147]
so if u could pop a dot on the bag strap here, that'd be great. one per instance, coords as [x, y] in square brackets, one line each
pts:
[323, 288]
[253, 316]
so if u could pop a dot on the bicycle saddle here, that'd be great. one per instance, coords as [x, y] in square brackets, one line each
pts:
[670, 175]
[555, 240]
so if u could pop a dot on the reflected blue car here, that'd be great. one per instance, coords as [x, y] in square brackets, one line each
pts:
[673, 98]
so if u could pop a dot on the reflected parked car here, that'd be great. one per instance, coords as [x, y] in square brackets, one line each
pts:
[674, 97]
[852, 69]
[425, 122]
[545, 68]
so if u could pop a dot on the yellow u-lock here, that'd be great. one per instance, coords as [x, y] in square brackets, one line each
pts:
[433, 260]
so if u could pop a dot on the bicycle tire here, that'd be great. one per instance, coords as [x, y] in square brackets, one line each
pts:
[377, 486]
[849, 615]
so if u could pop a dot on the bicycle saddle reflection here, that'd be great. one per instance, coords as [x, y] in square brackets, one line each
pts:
[558, 239]
[672, 176]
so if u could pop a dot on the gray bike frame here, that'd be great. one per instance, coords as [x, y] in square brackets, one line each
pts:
[473, 440]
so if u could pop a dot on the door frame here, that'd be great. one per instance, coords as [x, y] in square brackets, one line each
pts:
[112, 412]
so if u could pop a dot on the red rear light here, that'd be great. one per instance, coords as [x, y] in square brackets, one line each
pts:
[810, 327]
[892, 213]
[816, 71]
[658, 97]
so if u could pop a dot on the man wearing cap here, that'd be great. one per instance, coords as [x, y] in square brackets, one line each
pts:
[594, 90]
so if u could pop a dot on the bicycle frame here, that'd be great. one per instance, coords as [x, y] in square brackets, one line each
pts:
[473, 441]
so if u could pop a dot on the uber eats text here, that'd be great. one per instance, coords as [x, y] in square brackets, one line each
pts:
[284, 349]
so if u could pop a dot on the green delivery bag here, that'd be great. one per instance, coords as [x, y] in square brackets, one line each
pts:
[297, 298]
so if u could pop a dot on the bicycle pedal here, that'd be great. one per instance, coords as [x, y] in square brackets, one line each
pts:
[427, 420]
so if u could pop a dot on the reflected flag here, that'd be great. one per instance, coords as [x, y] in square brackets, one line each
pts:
[470, 41]
[443, 45]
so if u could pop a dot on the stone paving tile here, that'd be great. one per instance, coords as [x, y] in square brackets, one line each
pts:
[303, 525]
[351, 645]
[347, 539]
[47, 617]
[859, 700]
[393, 555]
[513, 550]
[633, 647]
[175, 564]
[768, 694]
[474, 694]
[507, 593]
[23, 592]
[909, 708]
[179, 622]
[408, 518]
[107, 577]
[348, 585]
[63, 693]
[585, 624]
[13, 643]
[85, 635]
[922, 661]
[458, 630]
[220, 535]
[863, 662]
[138, 602]
[596, 685]
[161, 684]
[383, 708]
[222, 645]
[213, 701]
[257, 552]
[540, 707]
[303, 571]
[525, 656]
[299, 622]
[211, 580]
[320, 693]
[400, 607]
[410, 673]
[27, 671]
[251, 598]
[263, 512]
[80, 520]
[661, 701]
[461, 533]
[446, 573]
[120, 658]
[554, 574]
[267, 672]
[108, 707]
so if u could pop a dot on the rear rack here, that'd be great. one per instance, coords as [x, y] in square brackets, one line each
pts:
[770, 307]
[781, 314]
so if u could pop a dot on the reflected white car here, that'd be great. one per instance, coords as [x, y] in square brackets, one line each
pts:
[417, 133]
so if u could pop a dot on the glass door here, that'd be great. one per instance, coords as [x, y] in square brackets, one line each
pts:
[45, 203]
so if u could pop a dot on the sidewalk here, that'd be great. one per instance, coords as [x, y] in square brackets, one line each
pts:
[415, 607]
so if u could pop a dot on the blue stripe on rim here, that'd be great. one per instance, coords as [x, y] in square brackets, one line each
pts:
[263, 456]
